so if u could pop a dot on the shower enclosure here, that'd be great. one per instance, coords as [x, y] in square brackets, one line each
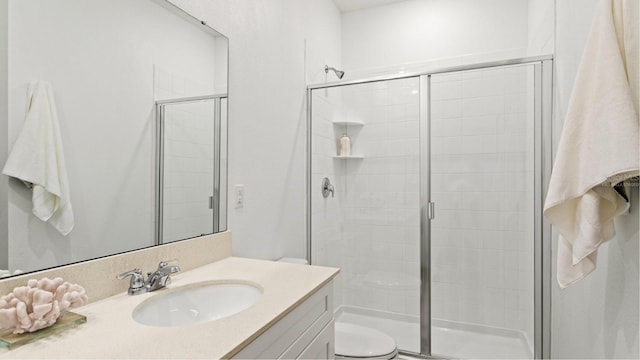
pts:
[436, 216]
[190, 167]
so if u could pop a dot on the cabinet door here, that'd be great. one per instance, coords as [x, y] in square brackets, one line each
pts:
[323, 346]
[290, 336]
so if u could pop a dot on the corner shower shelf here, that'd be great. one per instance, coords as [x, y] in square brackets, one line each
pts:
[349, 157]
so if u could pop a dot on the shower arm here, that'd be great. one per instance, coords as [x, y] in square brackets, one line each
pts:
[339, 73]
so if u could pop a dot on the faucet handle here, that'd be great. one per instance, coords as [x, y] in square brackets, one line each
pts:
[137, 279]
[131, 273]
[327, 188]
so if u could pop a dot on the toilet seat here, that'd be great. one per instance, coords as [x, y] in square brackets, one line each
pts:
[359, 342]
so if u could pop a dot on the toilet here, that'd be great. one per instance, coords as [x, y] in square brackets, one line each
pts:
[358, 342]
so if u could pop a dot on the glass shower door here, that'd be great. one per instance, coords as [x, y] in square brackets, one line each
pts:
[482, 239]
[369, 226]
[189, 175]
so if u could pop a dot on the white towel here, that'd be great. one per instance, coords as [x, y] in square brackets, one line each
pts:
[37, 159]
[598, 148]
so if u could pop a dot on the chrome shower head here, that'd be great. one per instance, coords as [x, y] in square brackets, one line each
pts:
[339, 73]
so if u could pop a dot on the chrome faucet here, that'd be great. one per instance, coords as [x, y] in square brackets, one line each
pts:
[161, 277]
[155, 280]
[136, 286]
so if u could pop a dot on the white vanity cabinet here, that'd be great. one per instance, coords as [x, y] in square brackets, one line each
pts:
[306, 332]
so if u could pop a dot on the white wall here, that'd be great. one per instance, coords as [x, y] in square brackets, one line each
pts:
[596, 317]
[4, 67]
[267, 113]
[541, 27]
[103, 82]
[418, 31]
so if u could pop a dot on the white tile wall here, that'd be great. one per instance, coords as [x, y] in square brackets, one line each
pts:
[482, 163]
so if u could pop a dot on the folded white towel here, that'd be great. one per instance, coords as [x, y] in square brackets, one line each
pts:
[37, 159]
[598, 148]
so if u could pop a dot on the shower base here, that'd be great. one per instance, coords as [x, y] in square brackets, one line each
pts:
[449, 339]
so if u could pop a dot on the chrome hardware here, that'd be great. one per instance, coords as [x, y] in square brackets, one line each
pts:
[155, 280]
[431, 210]
[137, 284]
[160, 278]
[327, 188]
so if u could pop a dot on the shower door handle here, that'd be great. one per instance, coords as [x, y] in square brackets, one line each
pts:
[431, 210]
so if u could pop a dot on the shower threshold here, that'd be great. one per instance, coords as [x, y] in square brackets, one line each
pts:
[450, 339]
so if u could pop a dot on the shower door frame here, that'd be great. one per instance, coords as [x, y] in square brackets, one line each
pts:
[543, 160]
[217, 143]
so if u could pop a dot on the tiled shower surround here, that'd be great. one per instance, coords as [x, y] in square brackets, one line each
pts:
[481, 182]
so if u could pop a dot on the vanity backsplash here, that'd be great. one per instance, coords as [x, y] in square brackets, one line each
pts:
[98, 276]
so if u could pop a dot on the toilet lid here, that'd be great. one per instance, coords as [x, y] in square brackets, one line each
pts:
[359, 341]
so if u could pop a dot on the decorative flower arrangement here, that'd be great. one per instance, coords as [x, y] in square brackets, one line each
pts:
[39, 304]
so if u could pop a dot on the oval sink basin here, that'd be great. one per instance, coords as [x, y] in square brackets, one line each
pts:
[196, 303]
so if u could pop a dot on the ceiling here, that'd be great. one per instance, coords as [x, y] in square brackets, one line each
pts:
[351, 5]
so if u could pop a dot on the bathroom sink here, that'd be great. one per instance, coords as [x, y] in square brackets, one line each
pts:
[197, 303]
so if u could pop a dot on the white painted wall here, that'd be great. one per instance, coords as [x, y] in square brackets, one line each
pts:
[541, 27]
[105, 105]
[4, 151]
[419, 31]
[598, 316]
[267, 112]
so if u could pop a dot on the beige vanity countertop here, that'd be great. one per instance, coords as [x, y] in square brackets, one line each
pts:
[111, 333]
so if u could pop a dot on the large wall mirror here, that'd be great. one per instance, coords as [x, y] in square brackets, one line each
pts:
[140, 89]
